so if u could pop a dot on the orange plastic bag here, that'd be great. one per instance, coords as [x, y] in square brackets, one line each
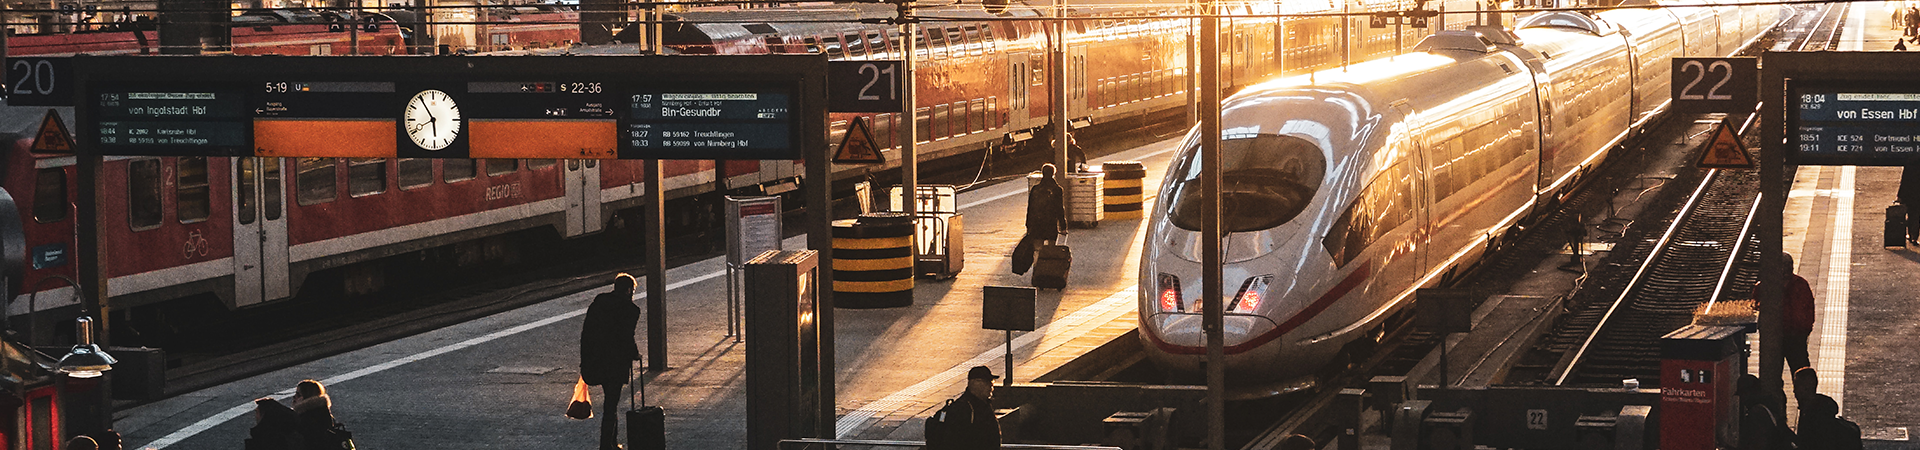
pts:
[580, 408]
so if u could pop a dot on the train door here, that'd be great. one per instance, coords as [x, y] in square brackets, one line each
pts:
[1019, 85]
[1077, 81]
[259, 231]
[1415, 197]
[583, 196]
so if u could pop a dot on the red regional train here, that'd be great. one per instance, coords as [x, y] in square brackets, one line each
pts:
[259, 32]
[251, 231]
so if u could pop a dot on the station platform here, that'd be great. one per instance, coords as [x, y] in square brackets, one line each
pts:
[504, 381]
[1865, 320]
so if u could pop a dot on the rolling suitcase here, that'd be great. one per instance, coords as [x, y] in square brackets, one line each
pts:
[646, 425]
[1050, 268]
[1896, 229]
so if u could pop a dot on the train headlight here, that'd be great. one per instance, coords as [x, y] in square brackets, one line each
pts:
[1169, 293]
[1251, 294]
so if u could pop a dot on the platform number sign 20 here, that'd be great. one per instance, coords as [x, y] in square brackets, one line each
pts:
[864, 86]
[1725, 85]
[39, 82]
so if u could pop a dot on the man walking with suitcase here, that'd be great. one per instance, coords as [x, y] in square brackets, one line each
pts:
[1046, 218]
[607, 351]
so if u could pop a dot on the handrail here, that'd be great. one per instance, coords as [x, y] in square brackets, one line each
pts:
[787, 443]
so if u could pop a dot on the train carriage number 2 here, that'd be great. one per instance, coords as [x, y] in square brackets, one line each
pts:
[1702, 70]
[877, 72]
[32, 77]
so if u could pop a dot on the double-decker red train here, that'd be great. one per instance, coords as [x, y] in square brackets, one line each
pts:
[255, 230]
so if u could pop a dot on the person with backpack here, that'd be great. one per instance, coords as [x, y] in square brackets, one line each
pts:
[967, 422]
[1822, 428]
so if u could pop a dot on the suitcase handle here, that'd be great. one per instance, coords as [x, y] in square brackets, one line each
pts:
[641, 388]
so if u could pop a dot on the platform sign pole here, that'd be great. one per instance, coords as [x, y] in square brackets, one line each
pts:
[909, 119]
[1774, 181]
[819, 201]
[656, 261]
[1213, 315]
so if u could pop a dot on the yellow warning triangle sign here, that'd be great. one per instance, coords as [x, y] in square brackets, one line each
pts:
[53, 137]
[857, 147]
[1724, 150]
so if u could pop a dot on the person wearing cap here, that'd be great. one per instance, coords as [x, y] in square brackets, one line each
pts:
[969, 419]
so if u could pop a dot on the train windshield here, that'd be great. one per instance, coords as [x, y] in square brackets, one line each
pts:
[1267, 180]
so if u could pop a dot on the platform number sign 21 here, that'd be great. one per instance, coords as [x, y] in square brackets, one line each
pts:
[39, 82]
[864, 86]
[1724, 85]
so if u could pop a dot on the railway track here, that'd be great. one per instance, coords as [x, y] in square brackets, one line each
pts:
[1608, 342]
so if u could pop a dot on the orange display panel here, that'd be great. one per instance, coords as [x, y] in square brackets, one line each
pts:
[543, 139]
[341, 138]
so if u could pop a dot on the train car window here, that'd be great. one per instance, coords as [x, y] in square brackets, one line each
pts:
[50, 195]
[415, 173]
[877, 46]
[940, 121]
[883, 130]
[974, 41]
[1267, 181]
[537, 164]
[456, 170]
[270, 179]
[978, 121]
[993, 112]
[246, 206]
[1383, 205]
[498, 167]
[960, 41]
[936, 41]
[366, 176]
[923, 125]
[192, 198]
[855, 46]
[314, 179]
[831, 46]
[143, 194]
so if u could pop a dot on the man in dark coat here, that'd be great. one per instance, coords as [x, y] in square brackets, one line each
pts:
[1046, 218]
[974, 427]
[607, 351]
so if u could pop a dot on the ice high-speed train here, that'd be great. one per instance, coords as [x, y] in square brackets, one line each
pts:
[1346, 190]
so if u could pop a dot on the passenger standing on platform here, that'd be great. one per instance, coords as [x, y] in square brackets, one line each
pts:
[1046, 218]
[967, 422]
[608, 350]
[313, 415]
[1799, 314]
[1913, 20]
[1821, 428]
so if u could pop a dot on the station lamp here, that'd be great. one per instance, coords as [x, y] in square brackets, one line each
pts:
[86, 360]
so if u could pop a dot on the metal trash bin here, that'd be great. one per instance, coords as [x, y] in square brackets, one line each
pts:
[1086, 199]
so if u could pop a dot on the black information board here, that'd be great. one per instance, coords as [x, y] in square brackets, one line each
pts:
[171, 118]
[721, 123]
[1854, 124]
[735, 108]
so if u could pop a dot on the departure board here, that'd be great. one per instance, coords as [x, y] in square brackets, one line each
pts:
[170, 119]
[709, 108]
[709, 124]
[1855, 125]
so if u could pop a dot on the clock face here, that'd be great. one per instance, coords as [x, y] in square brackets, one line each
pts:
[432, 120]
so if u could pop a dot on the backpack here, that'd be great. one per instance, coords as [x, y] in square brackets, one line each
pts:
[943, 428]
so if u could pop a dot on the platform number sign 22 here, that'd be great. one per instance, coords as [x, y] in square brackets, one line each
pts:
[39, 82]
[864, 86]
[1725, 85]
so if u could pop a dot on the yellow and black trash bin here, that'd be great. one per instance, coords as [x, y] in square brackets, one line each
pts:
[873, 263]
[1122, 189]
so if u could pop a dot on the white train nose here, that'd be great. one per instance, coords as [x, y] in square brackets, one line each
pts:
[1181, 333]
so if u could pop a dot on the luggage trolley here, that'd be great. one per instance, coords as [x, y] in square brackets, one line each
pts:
[940, 248]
